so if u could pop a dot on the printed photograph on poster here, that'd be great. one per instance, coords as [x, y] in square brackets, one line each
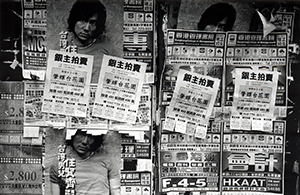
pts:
[66, 21]
[80, 161]
[34, 39]
[119, 89]
[193, 101]
[67, 83]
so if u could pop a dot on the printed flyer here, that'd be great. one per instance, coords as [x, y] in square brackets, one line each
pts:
[198, 51]
[34, 39]
[136, 172]
[119, 89]
[254, 97]
[21, 170]
[12, 109]
[192, 103]
[138, 32]
[33, 103]
[89, 121]
[190, 164]
[67, 83]
[254, 161]
[252, 50]
[143, 118]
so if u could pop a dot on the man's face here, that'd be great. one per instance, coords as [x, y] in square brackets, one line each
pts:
[82, 143]
[218, 27]
[84, 30]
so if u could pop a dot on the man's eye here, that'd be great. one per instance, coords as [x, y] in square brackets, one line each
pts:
[93, 23]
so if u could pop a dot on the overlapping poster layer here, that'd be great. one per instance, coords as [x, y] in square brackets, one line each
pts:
[67, 83]
[119, 89]
[34, 39]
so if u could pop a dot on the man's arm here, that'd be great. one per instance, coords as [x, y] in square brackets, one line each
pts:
[114, 184]
[55, 190]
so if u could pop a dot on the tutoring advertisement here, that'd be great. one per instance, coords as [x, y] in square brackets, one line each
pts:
[34, 39]
[198, 51]
[192, 102]
[119, 89]
[254, 161]
[138, 35]
[67, 83]
[254, 51]
[190, 164]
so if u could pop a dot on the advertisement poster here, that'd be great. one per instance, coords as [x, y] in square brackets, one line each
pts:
[67, 83]
[34, 39]
[138, 32]
[252, 50]
[33, 96]
[254, 161]
[192, 102]
[12, 109]
[198, 51]
[21, 170]
[119, 89]
[190, 164]
[136, 172]
[254, 95]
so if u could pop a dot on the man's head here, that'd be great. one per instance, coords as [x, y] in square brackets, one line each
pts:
[218, 17]
[84, 143]
[87, 20]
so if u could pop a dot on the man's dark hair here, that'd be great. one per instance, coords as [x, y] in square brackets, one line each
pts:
[217, 12]
[98, 140]
[83, 10]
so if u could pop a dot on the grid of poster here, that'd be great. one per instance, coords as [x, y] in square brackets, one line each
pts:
[245, 154]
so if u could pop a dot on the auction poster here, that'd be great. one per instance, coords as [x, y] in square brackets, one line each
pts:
[253, 50]
[143, 119]
[192, 103]
[34, 39]
[119, 89]
[253, 163]
[254, 97]
[67, 83]
[138, 32]
[190, 164]
[198, 51]
[89, 121]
